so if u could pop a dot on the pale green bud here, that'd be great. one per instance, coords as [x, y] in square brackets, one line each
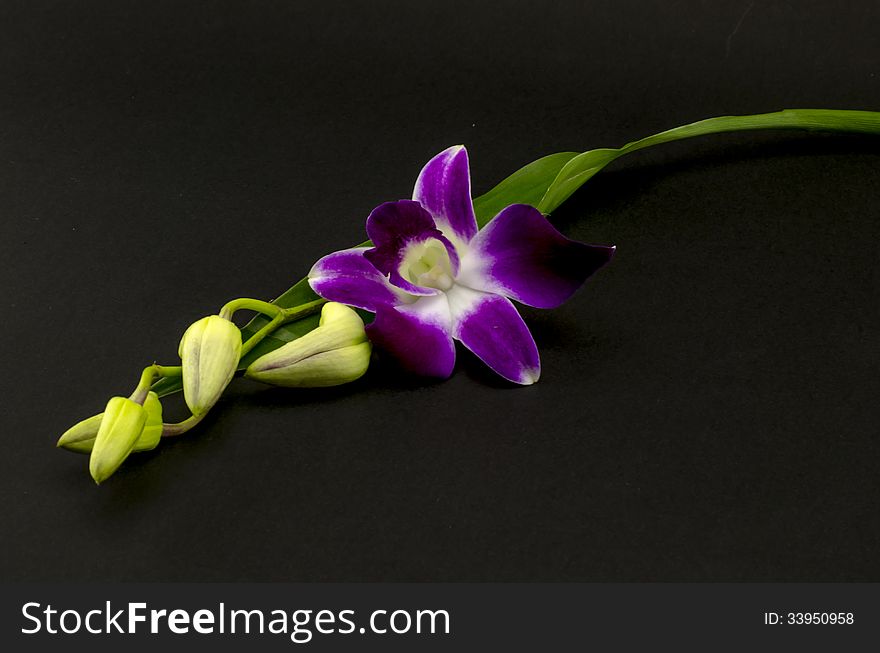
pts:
[121, 426]
[336, 352]
[209, 352]
[80, 438]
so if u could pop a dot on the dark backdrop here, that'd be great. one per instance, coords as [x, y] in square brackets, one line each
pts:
[708, 406]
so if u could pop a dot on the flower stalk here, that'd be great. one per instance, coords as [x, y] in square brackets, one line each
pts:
[439, 268]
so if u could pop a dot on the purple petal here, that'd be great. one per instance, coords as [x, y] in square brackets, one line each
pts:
[417, 335]
[348, 277]
[444, 188]
[519, 254]
[490, 327]
[396, 226]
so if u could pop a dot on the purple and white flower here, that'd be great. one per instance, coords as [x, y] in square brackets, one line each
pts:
[432, 277]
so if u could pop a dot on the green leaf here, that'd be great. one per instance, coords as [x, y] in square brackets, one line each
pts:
[299, 293]
[573, 175]
[525, 186]
[582, 167]
[547, 182]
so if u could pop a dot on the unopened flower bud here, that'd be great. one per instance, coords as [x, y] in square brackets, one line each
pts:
[336, 352]
[152, 432]
[209, 351]
[80, 437]
[121, 426]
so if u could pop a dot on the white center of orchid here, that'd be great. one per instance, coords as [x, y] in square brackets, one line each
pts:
[427, 264]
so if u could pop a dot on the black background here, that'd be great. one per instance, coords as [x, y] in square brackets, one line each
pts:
[708, 405]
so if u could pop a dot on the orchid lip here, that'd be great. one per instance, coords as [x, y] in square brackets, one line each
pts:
[427, 264]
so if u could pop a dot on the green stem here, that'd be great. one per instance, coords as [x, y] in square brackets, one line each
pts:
[171, 430]
[296, 312]
[267, 328]
[247, 303]
[283, 315]
[582, 167]
[148, 376]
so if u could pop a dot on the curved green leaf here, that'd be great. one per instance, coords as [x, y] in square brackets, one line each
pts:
[579, 169]
[547, 182]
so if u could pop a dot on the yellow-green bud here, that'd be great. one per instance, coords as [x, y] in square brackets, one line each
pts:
[209, 352]
[80, 437]
[152, 432]
[336, 352]
[121, 426]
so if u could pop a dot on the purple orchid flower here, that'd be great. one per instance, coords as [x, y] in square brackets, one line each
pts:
[432, 277]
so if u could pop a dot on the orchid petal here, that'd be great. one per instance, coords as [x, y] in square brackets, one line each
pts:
[519, 254]
[417, 335]
[491, 328]
[444, 189]
[349, 278]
